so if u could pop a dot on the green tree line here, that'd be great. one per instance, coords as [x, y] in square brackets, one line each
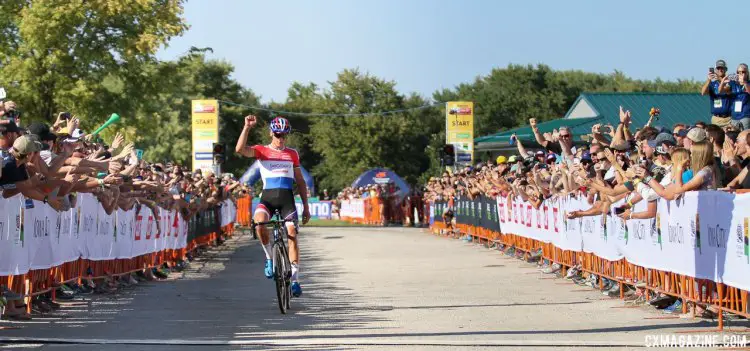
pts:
[96, 57]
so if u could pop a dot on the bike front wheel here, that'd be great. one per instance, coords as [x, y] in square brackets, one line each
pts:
[280, 268]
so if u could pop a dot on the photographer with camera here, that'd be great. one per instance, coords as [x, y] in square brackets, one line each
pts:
[721, 111]
[9, 112]
[736, 85]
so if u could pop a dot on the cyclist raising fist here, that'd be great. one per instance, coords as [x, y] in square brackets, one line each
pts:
[279, 169]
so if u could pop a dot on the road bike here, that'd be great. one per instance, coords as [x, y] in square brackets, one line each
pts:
[282, 268]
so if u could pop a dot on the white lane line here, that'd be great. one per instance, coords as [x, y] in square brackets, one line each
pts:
[328, 342]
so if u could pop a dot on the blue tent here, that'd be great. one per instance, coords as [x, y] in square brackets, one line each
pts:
[382, 176]
[252, 175]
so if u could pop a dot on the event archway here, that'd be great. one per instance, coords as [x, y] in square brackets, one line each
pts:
[382, 176]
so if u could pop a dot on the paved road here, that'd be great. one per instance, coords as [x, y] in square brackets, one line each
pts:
[365, 288]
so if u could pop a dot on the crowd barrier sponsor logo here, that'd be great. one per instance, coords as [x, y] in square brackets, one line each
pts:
[318, 209]
[702, 234]
[87, 231]
[352, 209]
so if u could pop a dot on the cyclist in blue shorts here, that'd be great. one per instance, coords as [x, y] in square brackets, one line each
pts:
[279, 169]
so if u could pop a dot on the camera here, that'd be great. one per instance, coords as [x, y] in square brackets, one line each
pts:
[13, 114]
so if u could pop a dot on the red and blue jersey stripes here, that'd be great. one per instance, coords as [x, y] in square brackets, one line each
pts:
[276, 166]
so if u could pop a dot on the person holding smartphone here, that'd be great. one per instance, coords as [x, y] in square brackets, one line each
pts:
[740, 99]
[721, 111]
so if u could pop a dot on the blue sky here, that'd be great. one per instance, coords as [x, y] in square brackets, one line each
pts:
[429, 45]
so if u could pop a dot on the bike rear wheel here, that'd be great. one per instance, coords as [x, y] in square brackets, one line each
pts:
[280, 268]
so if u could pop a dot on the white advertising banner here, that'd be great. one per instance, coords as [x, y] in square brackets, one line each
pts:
[734, 269]
[35, 236]
[352, 208]
[701, 234]
[124, 227]
[65, 242]
[14, 254]
[37, 229]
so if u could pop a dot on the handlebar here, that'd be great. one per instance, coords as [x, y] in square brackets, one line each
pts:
[275, 221]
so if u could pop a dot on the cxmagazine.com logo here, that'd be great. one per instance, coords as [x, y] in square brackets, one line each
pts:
[684, 341]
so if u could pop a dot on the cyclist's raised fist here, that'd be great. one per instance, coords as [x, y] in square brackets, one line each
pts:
[250, 121]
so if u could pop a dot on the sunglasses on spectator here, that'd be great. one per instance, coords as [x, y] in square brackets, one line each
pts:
[564, 136]
[743, 72]
[280, 135]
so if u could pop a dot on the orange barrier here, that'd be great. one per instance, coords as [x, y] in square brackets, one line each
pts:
[378, 212]
[244, 210]
[42, 281]
[721, 297]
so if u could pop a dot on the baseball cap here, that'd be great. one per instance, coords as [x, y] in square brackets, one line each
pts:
[540, 153]
[551, 157]
[662, 138]
[77, 134]
[9, 127]
[513, 159]
[721, 63]
[661, 129]
[697, 135]
[42, 131]
[500, 160]
[682, 132]
[27, 144]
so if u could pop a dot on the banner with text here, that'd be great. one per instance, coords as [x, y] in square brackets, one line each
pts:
[318, 209]
[459, 129]
[205, 123]
[702, 234]
[352, 208]
[35, 236]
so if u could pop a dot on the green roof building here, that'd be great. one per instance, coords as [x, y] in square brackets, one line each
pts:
[592, 108]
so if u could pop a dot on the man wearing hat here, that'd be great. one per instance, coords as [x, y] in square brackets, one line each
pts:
[9, 131]
[46, 137]
[665, 141]
[721, 111]
[15, 178]
[695, 135]
[679, 133]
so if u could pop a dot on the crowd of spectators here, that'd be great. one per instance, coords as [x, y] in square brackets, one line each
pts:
[394, 208]
[634, 163]
[53, 163]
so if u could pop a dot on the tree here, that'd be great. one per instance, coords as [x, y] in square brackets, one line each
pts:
[508, 97]
[68, 55]
[164, 120]
[349, 145]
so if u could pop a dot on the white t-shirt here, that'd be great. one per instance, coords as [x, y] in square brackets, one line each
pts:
[649, 194]
[47, 156]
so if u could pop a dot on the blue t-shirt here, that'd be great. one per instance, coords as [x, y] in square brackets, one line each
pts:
[740, 101]
[686, 176]
[720, 102]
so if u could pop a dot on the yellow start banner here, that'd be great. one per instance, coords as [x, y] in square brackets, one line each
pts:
[459, 129]
[205, 122]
